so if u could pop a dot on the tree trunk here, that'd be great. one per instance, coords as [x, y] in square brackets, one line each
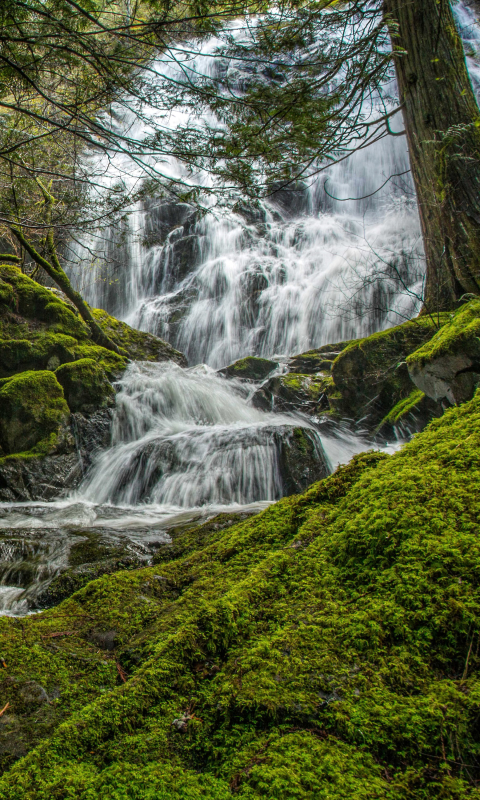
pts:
[442, 123]
[57, 274]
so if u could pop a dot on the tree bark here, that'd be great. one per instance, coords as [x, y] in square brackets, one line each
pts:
[57, 274]
[442, 123]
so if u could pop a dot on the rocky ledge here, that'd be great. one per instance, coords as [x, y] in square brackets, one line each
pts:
[56, 386]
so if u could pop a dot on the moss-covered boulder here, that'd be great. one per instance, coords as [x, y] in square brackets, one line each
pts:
[85, 385]
[325, 648]
[294, 392]
[447, 367]
[33, 412]
[370, 376]
[250, 368]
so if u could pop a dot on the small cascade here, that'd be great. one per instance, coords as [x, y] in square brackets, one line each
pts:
[189, 438]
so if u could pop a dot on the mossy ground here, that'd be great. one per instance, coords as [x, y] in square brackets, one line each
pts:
[326, 648]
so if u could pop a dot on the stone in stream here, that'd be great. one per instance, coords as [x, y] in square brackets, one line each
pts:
[250, 368]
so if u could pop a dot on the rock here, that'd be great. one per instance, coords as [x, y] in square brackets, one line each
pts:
[447, 367]
[303, 460]
[41, 478]
[293, 392]
[32, 413]
[85, 385]
[318, 360]
[105, 640]
[370, 376]
[250, 368]
[93, 556]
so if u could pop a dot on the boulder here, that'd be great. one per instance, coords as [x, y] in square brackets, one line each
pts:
[250, 368]
[447, 367]
[85, 385]
[32, 413]
[294, 392]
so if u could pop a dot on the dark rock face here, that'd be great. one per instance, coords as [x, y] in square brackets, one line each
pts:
[48, 477]
[250, 368]
[303, 460]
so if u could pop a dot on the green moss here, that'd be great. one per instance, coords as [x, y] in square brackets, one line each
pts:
[32, 411]
[138, 345]
[460, 334]
[404, 407]
[370, 376]
[111, 362]
[85, 385]
[324, 648]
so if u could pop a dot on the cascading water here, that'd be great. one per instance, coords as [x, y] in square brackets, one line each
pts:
[305, 268]
[298, 271]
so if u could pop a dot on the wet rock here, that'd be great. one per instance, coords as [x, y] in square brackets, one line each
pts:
[51, 476]
[318, 360]
[43, 478]
[303, 460]
[294, 392]
[95, 555]
[250, 368]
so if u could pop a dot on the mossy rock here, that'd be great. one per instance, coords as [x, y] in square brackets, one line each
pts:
[318, 360]
[139, 346]
[447, 367]
[85, 385]
[370, 376]
[250, 368]
[32, 412]
[294, 392]
[323, 648]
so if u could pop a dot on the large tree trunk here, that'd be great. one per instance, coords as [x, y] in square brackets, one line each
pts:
[442, 122]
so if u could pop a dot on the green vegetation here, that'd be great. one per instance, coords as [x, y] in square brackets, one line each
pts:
[459, 334]
[327, 647]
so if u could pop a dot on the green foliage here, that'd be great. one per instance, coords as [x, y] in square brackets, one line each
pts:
[327, 647]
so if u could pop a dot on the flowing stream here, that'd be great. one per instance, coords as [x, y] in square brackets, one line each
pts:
[300, 270]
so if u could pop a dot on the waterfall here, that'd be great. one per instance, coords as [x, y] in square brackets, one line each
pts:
[303, 268]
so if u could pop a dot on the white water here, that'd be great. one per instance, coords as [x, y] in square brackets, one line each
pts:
[300, 271]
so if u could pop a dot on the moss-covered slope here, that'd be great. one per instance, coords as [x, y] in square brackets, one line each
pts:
[326, 648]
